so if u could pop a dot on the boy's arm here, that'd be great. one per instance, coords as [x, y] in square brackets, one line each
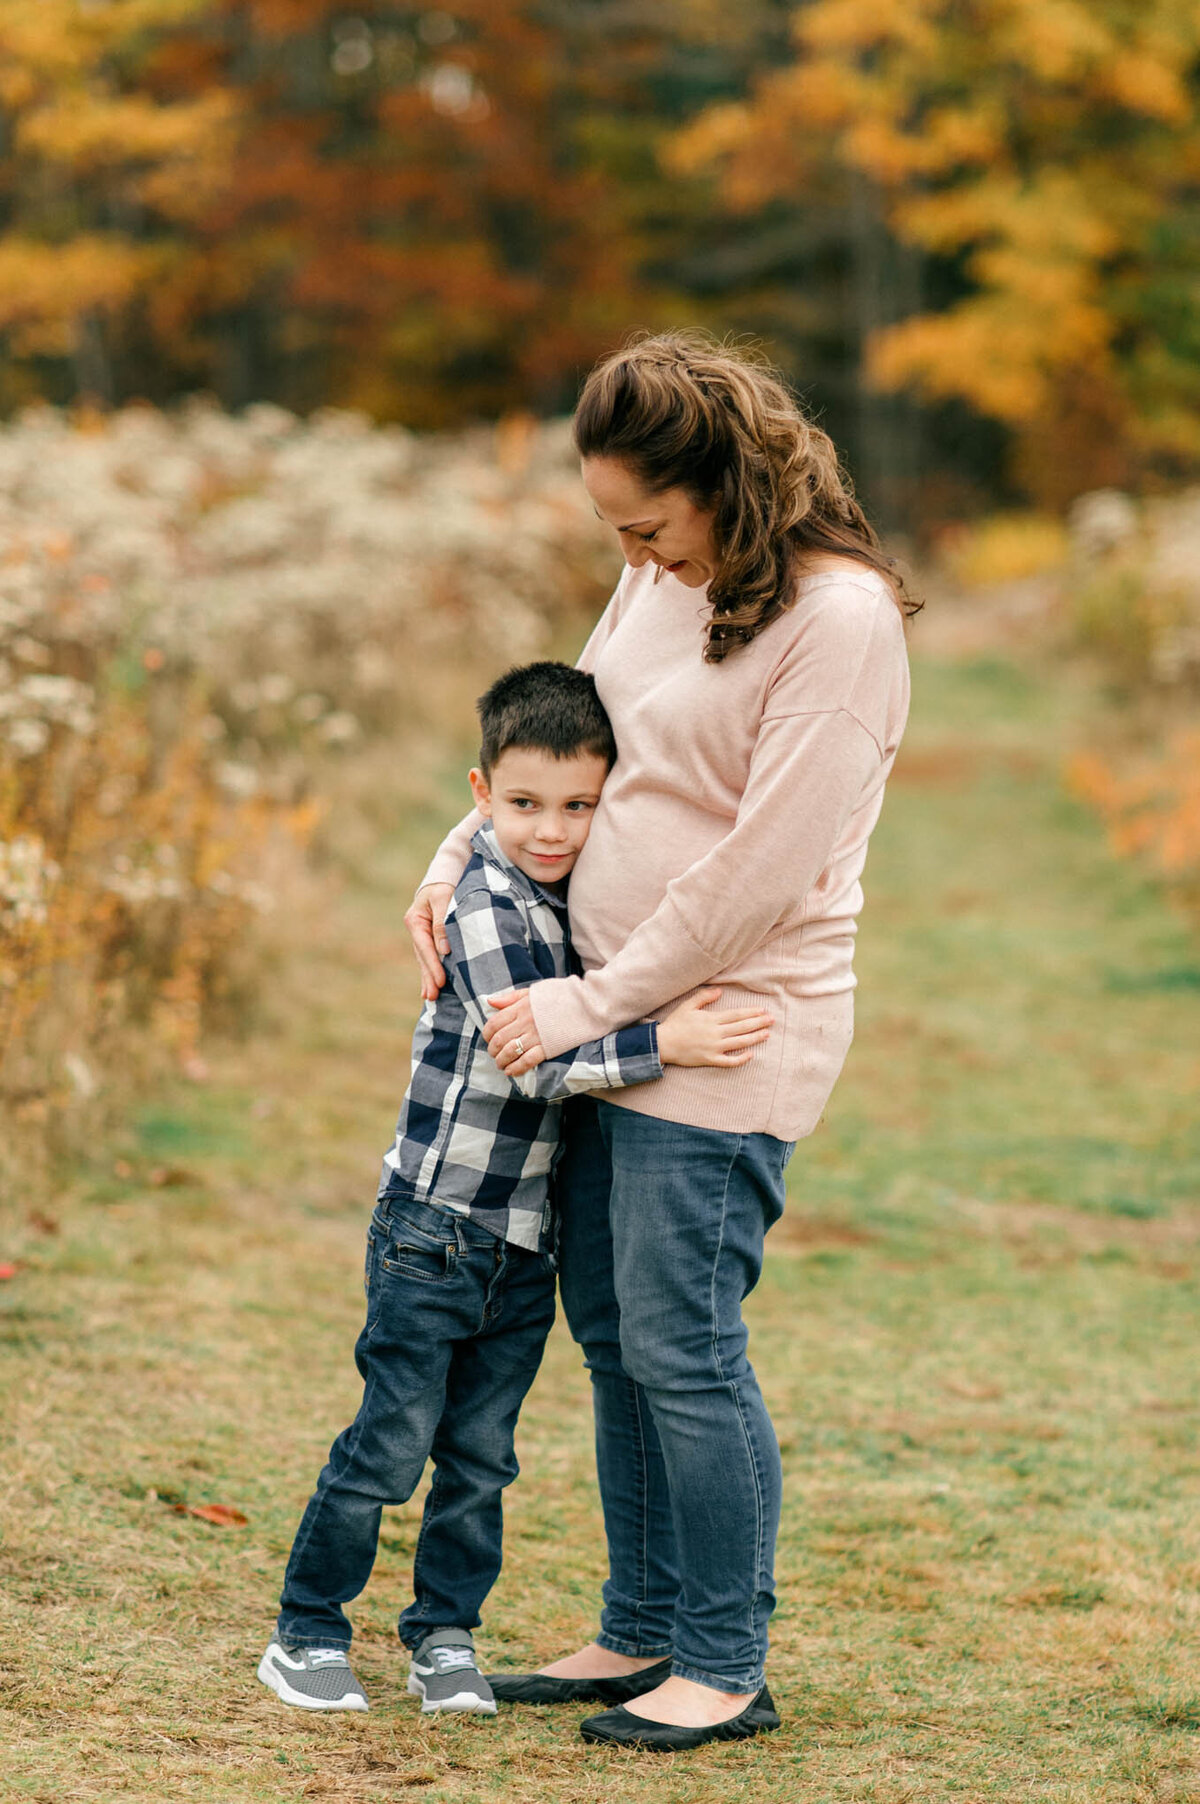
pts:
[489, 951]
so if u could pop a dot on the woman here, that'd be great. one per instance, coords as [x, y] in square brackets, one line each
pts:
[752, 661]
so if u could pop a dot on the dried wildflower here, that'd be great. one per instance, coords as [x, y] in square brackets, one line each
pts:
[27, 737]
[238, 780]
[27, 876]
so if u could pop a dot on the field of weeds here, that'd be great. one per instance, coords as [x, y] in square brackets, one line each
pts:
[223, 641]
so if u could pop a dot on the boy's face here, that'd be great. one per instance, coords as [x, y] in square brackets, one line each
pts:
[540, 807]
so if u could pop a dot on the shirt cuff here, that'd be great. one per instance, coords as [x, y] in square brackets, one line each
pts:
[636, 1050]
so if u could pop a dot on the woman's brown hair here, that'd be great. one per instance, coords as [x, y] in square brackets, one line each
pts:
[685, 412]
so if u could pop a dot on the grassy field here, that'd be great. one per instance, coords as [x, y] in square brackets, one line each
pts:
[976, 1330]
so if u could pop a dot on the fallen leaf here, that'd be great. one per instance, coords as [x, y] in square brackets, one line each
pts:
[221, 1515]
[42, 1223]
[165, 1177]
[122, 1169]
[7, 1271]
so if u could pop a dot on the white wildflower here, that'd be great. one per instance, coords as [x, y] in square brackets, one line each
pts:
[276, 689]
[246, 531]
[264, 420]
[83, 1078]
[373, 669]
[115, 794]
[240, 781]
[27, 737]
[26, 878]
[245, 697]
[1101, 521]
[340, 729]
[27, 650]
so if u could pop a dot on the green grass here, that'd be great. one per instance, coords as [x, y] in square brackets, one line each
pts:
[976, 1328]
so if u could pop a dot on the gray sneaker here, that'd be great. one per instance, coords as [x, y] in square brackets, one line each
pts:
[445, 1677]
[312, 1678]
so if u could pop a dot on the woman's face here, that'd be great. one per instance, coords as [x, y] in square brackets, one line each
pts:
[666, 529]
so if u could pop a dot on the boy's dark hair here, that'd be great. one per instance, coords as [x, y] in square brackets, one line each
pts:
[549, 707]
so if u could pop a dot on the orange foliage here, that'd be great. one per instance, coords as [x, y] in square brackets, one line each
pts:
[1153, 813]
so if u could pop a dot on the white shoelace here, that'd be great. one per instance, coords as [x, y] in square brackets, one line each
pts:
[327, 1656]
[450, 1657]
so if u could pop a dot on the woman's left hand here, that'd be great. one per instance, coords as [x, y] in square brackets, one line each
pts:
[511, 1034]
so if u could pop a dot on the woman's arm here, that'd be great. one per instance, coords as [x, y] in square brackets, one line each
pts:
[808, 773]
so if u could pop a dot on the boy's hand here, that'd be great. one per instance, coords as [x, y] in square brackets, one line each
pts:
[696, 1034]
[425, 921]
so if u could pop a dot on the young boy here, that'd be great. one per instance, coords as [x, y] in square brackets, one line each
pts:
[460, 1268]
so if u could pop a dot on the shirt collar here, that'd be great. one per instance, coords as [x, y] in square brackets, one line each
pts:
[484, 841]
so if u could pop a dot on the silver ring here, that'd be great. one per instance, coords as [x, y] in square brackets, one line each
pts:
[519, 1047]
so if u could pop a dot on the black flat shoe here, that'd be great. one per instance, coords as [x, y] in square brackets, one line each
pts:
[543, 1688]
[629, 1731]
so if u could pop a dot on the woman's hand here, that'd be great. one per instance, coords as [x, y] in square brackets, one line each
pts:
[694, 1033]
[425, 921]
[511, 1034]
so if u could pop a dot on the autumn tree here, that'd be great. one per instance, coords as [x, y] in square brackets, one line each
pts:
[102, 178]
[1043, 159]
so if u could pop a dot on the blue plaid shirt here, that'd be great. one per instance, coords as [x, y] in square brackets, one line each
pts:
[470, 1139]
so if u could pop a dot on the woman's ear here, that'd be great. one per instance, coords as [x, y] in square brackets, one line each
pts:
[481, 790]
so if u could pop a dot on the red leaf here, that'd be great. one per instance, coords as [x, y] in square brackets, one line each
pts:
[7, 1271]
[221, 1515]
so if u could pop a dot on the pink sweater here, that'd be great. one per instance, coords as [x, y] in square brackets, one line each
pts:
[730, 837]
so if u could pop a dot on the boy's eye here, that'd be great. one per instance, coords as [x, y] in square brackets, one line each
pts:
[522, 802]
[578, 807]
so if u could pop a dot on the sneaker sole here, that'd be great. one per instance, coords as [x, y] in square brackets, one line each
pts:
[469, 1702]
[272, 1677]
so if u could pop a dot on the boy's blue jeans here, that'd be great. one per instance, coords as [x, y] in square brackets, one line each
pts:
[456, 1324]
[661, 1238]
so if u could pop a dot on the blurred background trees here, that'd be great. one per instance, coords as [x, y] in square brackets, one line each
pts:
[966, 228]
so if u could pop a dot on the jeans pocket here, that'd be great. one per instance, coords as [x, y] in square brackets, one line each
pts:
[420, 1243]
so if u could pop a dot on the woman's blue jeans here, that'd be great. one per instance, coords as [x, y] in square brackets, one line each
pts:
[662, 1232]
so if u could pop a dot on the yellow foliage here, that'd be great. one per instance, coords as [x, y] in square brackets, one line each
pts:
[53, 283]
[1040, 141]
[126, 129]
[984, 350]
[1056, 40]
[85, 144]
[1142, 83]
[1006, 548]
[840, 26]
[60, 38]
